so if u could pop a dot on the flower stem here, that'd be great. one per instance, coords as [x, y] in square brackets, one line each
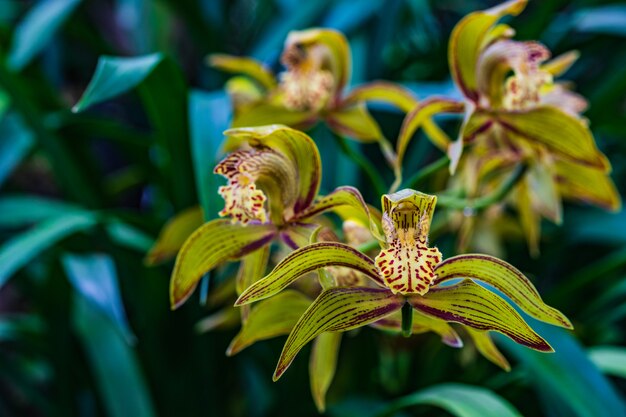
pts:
[407, 319]
[366, 166]
[483, 202]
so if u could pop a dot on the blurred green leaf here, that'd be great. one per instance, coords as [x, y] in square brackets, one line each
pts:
[609, 19]
[23, 210]
[95, 278]
[609, 359]
[16, 141]
[209, 116]
[17, 326]
[596, 226]
[567, 376]
[38, 28]
[24, 247]
[458, 399]
[115, 76]
[128, 236]
[113, 362]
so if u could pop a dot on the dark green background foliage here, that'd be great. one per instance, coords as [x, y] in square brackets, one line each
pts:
[85, 327]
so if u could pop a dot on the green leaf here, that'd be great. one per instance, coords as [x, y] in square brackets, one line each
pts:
[506, 278]
[609, 359]
[94, 277]
[23, 210]
[458, 399]
[337, 309]
[308, 259]
[115, 76]
[25, 247]
[215, 242]
[209, 116]
[567, 377]
[470, 304]
[37, 28]
[270, 318]
[608, 19]
[16, 141]
[113, 362]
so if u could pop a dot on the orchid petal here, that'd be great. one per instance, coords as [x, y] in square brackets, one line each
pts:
[308, 259]
[251, 269]
[355, 122]
[472, 305]
[468, 39]
[244, 65]
[506, 278]
[270, 318]
[322, 366]
[337, 309]
[226, 318]
[530, 219]
[587, 185]
[264, 113]
[173, 235]
[484, 344]
[213, 243]
[384, 92]
[560, 64]
[297, 146]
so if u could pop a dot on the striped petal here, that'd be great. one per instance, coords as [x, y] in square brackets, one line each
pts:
[383, 92]
[337, 309]
[421, 324]
[295, 145]
[213, 243]
[322, 366]
[308, 259]
[174, 234]
[485, 346]
[244, 65]
[270, 318]
[469, 38]
[355, 122]
[587, 185]
[472, 305]
[506, 278]
[251, 269]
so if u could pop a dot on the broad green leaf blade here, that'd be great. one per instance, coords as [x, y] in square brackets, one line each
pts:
[270, 318]
[458, 399]
[213, 243]
[173, 234]
[609, 359]
[297, 146]
[16, 141]
[308, 259]
[25, 247]
[38, 27]
[209, 116]
[114, 76]
[562, 133]
[337, 309]
[95, 279]
[568, 377]
[355, 122]
[468, 39]
[506, 278]
[322, 366]
[244, 65]
[470, 304]
[113, 363]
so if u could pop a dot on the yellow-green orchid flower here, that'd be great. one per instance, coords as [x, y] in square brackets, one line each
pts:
[515, 114]
[409, 275]
[317, 70]
[272, 193]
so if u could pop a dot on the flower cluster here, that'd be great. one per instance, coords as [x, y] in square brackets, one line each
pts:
[523, 144]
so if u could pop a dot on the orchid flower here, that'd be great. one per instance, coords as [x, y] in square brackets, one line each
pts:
[272, 188]
[409, 275]
[317, 70]
[517, 115]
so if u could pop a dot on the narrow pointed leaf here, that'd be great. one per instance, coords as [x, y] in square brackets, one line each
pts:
[16, 142]
[609, 359]
[270, 318]
[322, 366]
[246, 66]
[506, 278]
[472, 305]
[562, 133]
[25, 247]
[458, 399]
[174, 233]
[337, 309]
[308, 259]
[20, 210]
[213, 243]
[485, 346]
